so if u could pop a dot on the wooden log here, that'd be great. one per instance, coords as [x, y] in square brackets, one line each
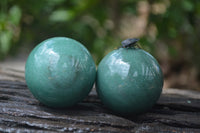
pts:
[176, 111]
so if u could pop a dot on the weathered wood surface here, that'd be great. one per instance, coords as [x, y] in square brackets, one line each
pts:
[21, 112]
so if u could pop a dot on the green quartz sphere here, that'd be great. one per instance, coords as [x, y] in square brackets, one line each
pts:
[60, 72]
[129, 81]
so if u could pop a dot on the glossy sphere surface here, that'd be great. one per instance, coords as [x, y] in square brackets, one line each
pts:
[60, 72]
[129, 81]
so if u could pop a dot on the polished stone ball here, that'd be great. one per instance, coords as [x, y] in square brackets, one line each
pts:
[129, 81]
[60, 72]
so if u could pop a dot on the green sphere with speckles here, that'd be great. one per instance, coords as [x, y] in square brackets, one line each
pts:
[60, 72]
[129, 81]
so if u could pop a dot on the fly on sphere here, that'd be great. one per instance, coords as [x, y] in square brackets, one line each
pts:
[128, 43]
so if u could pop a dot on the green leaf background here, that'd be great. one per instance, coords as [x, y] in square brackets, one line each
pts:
[168, 29]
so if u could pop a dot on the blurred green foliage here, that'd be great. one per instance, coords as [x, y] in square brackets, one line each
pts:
[9, 26]
[97, 24]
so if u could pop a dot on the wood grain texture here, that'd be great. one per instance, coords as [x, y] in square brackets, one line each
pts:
[21, 112]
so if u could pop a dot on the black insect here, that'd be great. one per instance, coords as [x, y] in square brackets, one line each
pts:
[129, 43]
